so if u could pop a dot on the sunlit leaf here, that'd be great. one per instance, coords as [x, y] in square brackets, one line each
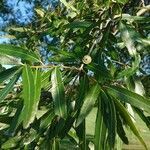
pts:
[18, 52]
[9, 60]
[11, 143]
[58, 93]
[31, 94]
[69, 5]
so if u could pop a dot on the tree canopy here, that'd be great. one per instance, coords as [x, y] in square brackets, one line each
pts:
[68, 59]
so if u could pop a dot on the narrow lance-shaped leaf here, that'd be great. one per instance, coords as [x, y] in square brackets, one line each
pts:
[31, 94]
[37, 91]
[128, 36]
[88, 103]
[125, 115]
[18, 52]
[120, 130]
[46, 120]
[11, 143]
[58, 93]
[100, 127]
[9, 60]
[69, 5]
[8, 88]
[112, 123]
[129, 97]
[28, 95]
[6, 74]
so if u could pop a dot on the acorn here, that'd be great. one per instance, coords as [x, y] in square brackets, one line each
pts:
[87, 59]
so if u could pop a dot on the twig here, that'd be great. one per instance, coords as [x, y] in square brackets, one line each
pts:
[52, 66]
[15, 86]
[143, 10]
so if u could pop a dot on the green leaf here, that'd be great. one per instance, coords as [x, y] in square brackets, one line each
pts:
[111, 122]
[130, 70]
[78, 24]
[8, 88]
[139, 19]
[58, 93]
[18, 52]
[11, 143]
[143, 117]
[125, 115]
[129, 37]
[46, 119]
[9, 60]
[6, 74]
[129, 97]
[88, 103]
[81, 133]
[122, 1]
[100, 128]
[31, 94]
[45, 81]
[17, 118]
[120, 130]
[69, 5]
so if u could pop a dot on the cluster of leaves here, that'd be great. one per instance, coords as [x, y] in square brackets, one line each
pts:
[45, 97]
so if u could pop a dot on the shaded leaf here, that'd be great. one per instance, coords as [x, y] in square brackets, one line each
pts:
[88, 103]
[129, 97]
[8, 88]
[100, 127]
[125, 115]
[6, 74]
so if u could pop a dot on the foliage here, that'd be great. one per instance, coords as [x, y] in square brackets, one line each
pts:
[71, 59]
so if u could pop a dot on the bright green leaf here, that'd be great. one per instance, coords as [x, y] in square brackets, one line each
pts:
[58, 93]
[11, 143]
[31, 94]
[18, 52]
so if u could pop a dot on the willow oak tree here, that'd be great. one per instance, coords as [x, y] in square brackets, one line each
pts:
[80, 56]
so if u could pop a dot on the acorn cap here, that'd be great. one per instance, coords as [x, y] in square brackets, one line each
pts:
[87, 59]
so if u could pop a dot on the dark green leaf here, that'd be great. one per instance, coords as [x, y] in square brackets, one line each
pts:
[88, 103]
[78, 24]
[8, 88]
[6, 74]
[100, 127]
[129, 97]
[125, 115]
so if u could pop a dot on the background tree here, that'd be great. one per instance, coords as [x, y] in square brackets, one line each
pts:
[72, 58]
